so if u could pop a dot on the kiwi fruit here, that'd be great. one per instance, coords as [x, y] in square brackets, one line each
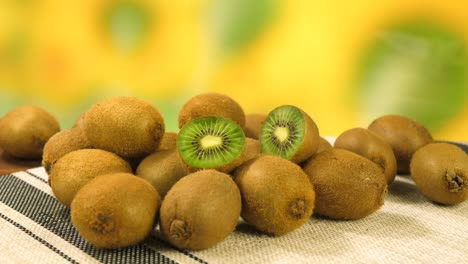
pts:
[440, 171]
[115, 210]
[168, 141]
[290, 133]
[369, 145]
[323, 145]
[277, 196]
[211, 104]
[347, 185]
[251, 150]
[162, 169]
[200, 210]
[253, 125]
[404, 135]
[75, 169]
[61, 143]
[210, 142]
[127, 126]
[25, 130]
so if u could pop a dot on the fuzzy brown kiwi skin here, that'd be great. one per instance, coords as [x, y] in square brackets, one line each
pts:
[347, 186]
[162, 169]
[25, 130]
[253, 125]
[251, 151]
[61, 143]
[168, 141]
[440, 171]
[323, 145]
[130, 127]
[200, 210]
[75, 169]
[310, 144]
[115, 210]
[277, 196]
[369, 145]
[211, 104]
[404, 135]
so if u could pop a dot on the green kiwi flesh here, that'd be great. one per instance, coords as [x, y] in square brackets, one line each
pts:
[162, 169]
[75, 169]
[25, 130]
[115, 210]
[126, 126]
[277, 196]
[440, 171]
[347, 185]
[290, 133]
[404, 135]
[200, 210]
[210, 142]
[371, 146]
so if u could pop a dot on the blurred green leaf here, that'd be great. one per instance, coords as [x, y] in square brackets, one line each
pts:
[235, 23]
[417, 69]
[126, 23]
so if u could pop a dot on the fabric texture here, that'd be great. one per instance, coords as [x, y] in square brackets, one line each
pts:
[35, 228]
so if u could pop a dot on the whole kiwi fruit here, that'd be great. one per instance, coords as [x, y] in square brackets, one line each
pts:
[61, 143]
[277, 196]
[211, 104]
[115, 210]
[25, 130]
[200, 210]
[253, 125]
[369, 145]
[168, 141]
[127, 126]
[162, 169]
[323, 145]
[347, 185]
[404, 135]
[75, 169]
[440, 171]
[290, 133]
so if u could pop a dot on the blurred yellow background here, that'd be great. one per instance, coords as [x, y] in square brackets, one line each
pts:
[345, 63]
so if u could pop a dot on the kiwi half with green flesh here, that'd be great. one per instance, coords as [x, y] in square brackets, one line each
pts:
[210, 142]
[211, 104]
[369, 145]
[200, 210]
[126, 126]
[253, 125]
[162, 169]
[277, 196]
[168, 141]
[290, 133]
[251, 151]
[404, 135]
[115, 210]
[440, 171]
[25, 130]
[347, 185]
[61, 143]
[75, 169]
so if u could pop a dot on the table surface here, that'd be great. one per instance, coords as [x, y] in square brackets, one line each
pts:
[35, 228]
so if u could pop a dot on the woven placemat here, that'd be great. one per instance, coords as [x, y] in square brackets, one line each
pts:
[35, 228]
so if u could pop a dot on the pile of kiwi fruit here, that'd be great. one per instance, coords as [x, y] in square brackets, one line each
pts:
[124, 177]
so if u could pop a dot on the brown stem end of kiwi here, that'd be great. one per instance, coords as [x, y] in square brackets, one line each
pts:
[103, 224]
[179, 230]
[456, 181]
[297, 208]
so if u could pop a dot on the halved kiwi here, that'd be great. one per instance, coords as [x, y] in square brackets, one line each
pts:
[210, 142]
[290, 133]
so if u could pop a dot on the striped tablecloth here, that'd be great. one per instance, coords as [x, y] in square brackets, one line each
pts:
[35, 228]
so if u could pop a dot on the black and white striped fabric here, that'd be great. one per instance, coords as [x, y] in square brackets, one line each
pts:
[35, 228]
